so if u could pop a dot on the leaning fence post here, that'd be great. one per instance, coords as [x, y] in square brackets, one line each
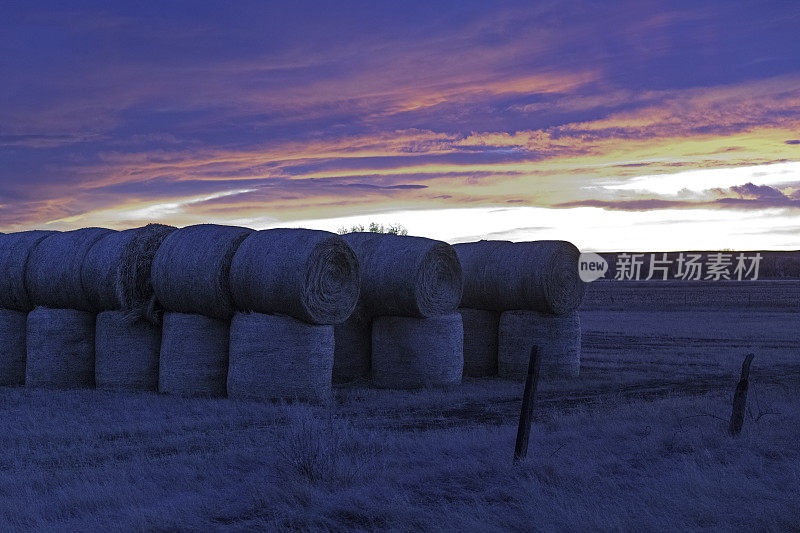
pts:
[528, 397]
[740, 398]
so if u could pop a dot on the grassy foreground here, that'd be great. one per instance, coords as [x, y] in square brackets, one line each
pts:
[88, 459]
[629, 446]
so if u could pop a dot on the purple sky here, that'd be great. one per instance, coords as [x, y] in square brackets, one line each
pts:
[676, 122]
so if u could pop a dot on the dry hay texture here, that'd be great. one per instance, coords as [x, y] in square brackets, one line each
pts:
[275, 357]
[60, 349]
[539, 275]
[53, 274]
[194, 355]
[126, 352]
[353, 347]
[190, 272]
[480, 342]
[406, 276]
[306, 274]
[409, 353]
[12, 346]
[557, 337]
[116, 271]
[15, 249]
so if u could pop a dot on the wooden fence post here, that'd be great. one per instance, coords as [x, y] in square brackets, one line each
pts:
[740, 398]
[526, 413]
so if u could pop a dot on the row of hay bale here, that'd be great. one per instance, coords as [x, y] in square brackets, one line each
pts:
[516, 295]
[54, 284]
[209, 310]
[202, 311]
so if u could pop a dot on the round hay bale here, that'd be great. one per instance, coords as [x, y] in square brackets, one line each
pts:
[116, 271]
[480, 342]
[539, 276]
[126, 352]
[12, 347]
[15, 249]
[406, 276]
[307, 274]
[191, 269]
[409, 353]
[276, 357]
[352, 356]
[194, 355]
[60, 349]
[53, 273]
[558, 339]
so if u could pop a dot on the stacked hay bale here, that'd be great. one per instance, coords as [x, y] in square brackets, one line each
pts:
[116, 275]
[406, 333]
[60, 330]
[353, 347]
[290, 286]
[558, 338]
[480, 341]
[15, 248]
[531, 291]
[190, 279]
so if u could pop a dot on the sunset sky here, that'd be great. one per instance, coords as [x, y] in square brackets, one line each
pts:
[616, 125]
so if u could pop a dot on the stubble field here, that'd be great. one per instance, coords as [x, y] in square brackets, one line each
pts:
[639, 441]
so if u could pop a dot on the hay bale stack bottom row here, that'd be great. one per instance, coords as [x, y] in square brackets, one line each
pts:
[194, 355]
[274, 356]
[410, 353]
[60, 349]
[558, 339]
[126, 352]
[13, 347]
[481, 329]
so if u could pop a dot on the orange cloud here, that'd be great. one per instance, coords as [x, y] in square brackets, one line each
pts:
[717, 127]
[468, 89]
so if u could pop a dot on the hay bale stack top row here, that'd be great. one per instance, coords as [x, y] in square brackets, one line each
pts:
[116, 271]
[15, 251]
[53, 274]
[539, 276]
[215, 270]
[406, 276]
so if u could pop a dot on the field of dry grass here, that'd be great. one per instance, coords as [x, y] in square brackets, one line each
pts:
[633, 444]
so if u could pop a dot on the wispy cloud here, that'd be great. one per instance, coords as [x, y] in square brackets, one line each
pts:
[129, 117]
